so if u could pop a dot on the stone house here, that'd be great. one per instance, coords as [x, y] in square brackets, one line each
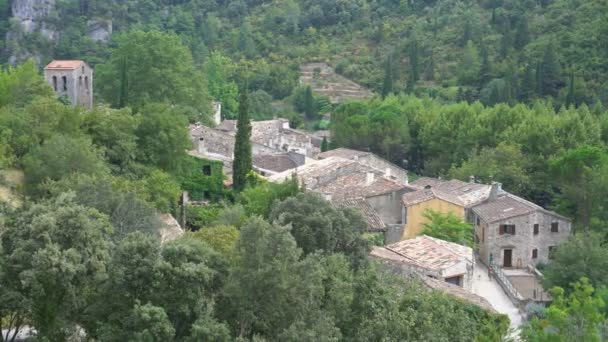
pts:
[347, 182]
[214, 144]
[278, 135]
[72, 79]
[430, 257]
[514, 233]
[452, 196]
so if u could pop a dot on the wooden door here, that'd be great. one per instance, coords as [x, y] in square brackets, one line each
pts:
[507, 258]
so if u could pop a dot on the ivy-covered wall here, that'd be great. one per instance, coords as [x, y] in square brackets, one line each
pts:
[203, 179]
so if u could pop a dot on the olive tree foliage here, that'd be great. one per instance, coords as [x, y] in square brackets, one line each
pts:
[54, 256]
[318, 226]
[147, 272]
[583, 255]
[578, 316]
[126, 210]
[151, 66]
[61, 156]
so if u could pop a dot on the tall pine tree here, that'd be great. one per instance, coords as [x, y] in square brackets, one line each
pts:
[242, 164]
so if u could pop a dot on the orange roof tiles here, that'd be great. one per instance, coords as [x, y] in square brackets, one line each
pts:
[64, 65]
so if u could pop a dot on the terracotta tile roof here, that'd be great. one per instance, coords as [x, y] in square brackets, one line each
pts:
[274, 162]
[370, 215]
[64, 65]
[454, 191]
[425, 252]
[345, 153]
[508, 206]
[358, 185]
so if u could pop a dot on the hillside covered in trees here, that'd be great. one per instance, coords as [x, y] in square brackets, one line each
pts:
[491, 50]
[509, 91]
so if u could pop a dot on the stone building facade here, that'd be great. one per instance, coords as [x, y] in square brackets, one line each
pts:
[514, 233]
[73, 80]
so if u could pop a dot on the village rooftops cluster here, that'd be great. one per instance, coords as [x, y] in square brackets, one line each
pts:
[425, 252]
[454, 191]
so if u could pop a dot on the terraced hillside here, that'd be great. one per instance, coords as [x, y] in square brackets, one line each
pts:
[325, 81]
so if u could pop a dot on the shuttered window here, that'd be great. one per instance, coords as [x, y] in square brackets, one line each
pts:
[506, 229]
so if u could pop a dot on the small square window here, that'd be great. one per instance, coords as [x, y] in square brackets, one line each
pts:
[554, 227]
[207, 170]
[536, 229]
[534, 253]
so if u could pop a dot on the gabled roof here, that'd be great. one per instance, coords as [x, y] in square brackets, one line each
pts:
[507, 206]
[274, 162]
[425, 252]
[454, 191]
[345, 153]
[358, 185]
[370, 215]
[64, 65]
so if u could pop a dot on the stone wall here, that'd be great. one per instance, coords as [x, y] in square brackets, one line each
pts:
[524, 240]
[388, 206]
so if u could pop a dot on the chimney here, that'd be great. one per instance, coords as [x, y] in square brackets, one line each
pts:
[407, 179]
[388, 172]
[369, 179]
[495, 190]
[471, 179]
[200, 146]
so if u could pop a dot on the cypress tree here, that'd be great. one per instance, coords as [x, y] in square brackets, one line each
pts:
[485, 70]
[551, 72]
[415, 74]
[528, 84]
[522, 36]
[124, 85]
[242, 164]
[387, 84]
[466, 34]
[309, 104]
[570, 98]
[324, 145]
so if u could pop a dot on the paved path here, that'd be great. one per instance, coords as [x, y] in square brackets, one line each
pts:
[489, 289]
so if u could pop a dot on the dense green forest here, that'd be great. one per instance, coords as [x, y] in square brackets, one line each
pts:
[513, 91]
[489, 50]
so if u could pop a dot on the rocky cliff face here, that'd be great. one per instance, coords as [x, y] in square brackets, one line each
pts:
[32, 13]
[38, 17]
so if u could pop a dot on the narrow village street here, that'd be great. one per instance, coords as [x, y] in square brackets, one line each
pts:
[489, 289]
